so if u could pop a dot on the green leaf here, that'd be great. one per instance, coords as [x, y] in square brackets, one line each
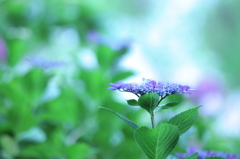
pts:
[36, 150]
[105, 56]
[9, 145]
[174, 98]
[149, 101]
[193, 156]
[185, 119]
[157, 143]
[129, 122]
[122, 75]
[78, 151]
[132, 102]
[166, 106]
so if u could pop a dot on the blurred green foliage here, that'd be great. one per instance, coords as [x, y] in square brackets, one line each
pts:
[35, 124]
[221, 35]
[53, 112]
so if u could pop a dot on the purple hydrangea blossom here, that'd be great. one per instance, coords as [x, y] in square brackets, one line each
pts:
[150, 86]
[205, 154]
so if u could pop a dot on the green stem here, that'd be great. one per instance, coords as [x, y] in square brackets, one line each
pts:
[152, 119]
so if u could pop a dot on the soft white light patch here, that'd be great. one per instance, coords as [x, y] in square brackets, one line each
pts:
[52, 91]
[66, 37]
[116, 138]
[211, 104]
[34, 134]
[228, 123]
[177, 7]
[187, 73]
[88, 59]
[136, 62]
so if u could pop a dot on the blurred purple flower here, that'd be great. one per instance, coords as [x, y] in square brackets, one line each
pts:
[205, 88]
[204, 154]
[98, 38]
[209, 92]
[43, 63]
[3, 50]
[94, 36]
[150, 86]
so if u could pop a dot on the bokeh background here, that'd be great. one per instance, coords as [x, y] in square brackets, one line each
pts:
[57, 58]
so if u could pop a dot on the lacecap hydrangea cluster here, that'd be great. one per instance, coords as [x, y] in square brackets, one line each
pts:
[205, 154]
[150, 86]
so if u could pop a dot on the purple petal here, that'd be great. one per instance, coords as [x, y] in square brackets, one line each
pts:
[113, 84]
[3, 50]
[112, 88]
[118, 85]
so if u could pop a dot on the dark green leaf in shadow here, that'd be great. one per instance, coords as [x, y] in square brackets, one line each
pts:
[149, 101]
[78, 151]
[132, 102]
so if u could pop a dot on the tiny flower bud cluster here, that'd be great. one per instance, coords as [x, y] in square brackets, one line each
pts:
[150, 86]
[204, 154]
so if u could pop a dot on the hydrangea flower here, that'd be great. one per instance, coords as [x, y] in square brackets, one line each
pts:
[150, 86]
[204, 154]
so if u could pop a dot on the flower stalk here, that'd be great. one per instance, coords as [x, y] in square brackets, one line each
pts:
[152, 120]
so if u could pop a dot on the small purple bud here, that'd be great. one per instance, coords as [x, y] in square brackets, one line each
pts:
[112, 88]
[116, 86]
[3, 50]
[192, 150]
[94, 36]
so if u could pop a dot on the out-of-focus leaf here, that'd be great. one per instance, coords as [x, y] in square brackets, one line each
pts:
[17, 49]
[9, 145]
[65, 109]
[21, 118]
[122, 75]
[105, 56]
[33, 135]
[78, 151]
[42, 150]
